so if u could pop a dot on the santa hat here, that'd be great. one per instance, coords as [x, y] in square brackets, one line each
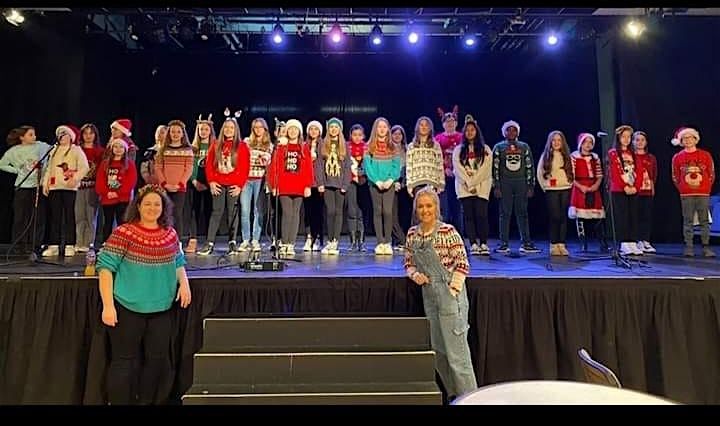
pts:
[510, 123]
[316, 124]
[295, 123]
[69, 129]
[335, 120]
[121, 142]
[679, 133]
[582, 137]
[122, 124]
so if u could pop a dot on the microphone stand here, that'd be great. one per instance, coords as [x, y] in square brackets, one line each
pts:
[33, 257]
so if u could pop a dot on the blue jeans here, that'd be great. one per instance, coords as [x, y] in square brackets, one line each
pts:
[250, 190]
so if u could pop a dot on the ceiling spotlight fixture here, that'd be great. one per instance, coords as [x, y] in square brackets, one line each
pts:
[634, 28]
[207, 28]
[14, 17]
[336, 33]
[277, 34]
[552, 39]
[376, 35]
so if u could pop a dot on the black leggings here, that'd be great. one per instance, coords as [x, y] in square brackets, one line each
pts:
[178, 199]
[476, 219]
[129, 381]
[313, 214]
[62, 217]
[111, 213]
[382, 201]
[558, 202]
[625, 216]
[645, 216]
[334, 205]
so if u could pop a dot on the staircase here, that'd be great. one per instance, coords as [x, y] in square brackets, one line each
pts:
[339, 360]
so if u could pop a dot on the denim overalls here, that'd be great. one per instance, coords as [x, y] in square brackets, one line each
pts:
[448, 317]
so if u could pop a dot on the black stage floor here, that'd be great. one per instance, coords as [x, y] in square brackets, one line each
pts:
[668, 262]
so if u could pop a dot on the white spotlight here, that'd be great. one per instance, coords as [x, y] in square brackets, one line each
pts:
[413, 37]
[14, 17]
[552, 40]
[634, 28]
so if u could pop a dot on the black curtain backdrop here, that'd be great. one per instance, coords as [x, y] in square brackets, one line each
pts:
[659, 336]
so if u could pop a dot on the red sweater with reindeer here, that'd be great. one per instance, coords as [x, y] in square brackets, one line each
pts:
[223, 171]
[291, 169]
[624, 171]
[112, 176]
[693, 173]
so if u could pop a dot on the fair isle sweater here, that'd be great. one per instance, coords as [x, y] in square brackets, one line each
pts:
[175, 166]
[20, 160]
[143, 263]
[424, 166]
[449, 246]
[383, 165]
[558, 179]
[94, 156]
[66, 168]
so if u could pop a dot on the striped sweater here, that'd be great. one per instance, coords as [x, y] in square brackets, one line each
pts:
[424, 166]
[175, 166]
[448, 245]
[144, 263]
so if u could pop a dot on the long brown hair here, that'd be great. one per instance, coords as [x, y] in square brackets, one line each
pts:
[185, 141]
[373, 141]
[94, 129]
[341, 148]
[13, 138]
[196, 138]
[431, 137]
[221, 141]
[125, 158]
[253, 142]
[549, 152]
[132, 213]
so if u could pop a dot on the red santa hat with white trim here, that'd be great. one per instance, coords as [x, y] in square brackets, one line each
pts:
[581, 138]
[509, 124]
[121, 142]
[679, 133]
[69, 129]
[122, 124]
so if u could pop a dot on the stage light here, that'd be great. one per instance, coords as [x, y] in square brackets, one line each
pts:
[376, 35]
[413, 37]
[207, 28]
[552, 39]
[336, 33]
[133, 32]
[277, 34]
[634, 28]
[469, 40]
[14, 17]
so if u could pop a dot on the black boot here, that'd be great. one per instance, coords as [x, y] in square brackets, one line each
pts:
[361, 241]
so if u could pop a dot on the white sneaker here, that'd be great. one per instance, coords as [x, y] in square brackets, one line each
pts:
[328, 248]
[308, 244]
[316, 245]
[475, 249]
[82, 249]
[388, 249]
[256, 246]
[335, 250]
[244, 246]
[647, 247]
[69, 251]
[379, 249]
[50, 251]
[290, 250]
[628, 249]
[484, 250]
[637, 248]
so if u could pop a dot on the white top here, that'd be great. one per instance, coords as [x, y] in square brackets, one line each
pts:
[550, 392]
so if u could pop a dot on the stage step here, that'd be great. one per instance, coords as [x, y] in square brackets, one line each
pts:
[315, 334]
[313, 367]
[315, 360]
[414, 393]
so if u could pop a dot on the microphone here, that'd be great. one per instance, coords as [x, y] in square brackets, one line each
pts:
[601, 134]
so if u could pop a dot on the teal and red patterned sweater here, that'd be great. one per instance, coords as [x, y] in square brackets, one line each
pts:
[143, 262]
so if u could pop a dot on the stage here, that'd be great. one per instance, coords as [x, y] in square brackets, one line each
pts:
[656, 324]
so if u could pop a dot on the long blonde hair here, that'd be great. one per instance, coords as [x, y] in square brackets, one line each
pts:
[341, 148]
[373, 141]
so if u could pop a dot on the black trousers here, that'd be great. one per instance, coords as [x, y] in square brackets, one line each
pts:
[402, 212]
[334, 205]
[557, 204]
[132, 379]
[62, 217]
[313, 214]
[178, 199]
[201, 210]
[23, 210]
[111, 213]
[645, 216]
[476, 219]
[382, 202]
[290, 218]
[625, 208]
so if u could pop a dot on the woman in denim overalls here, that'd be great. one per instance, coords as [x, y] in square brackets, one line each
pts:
[436, 260]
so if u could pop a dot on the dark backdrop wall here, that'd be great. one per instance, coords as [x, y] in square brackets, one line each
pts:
[58, 78]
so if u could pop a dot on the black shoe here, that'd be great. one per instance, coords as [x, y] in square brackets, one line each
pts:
[232, 247]
[529, 247]
[361, 242]
[502, 248]
[207, 249]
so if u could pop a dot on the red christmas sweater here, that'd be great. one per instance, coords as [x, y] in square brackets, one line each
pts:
[448, 142]
[94, 156]
[649, 176]
[693, 173]
[291, 169]
[224, 172]
[357, 153]
[624, 172]
[112, 178]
